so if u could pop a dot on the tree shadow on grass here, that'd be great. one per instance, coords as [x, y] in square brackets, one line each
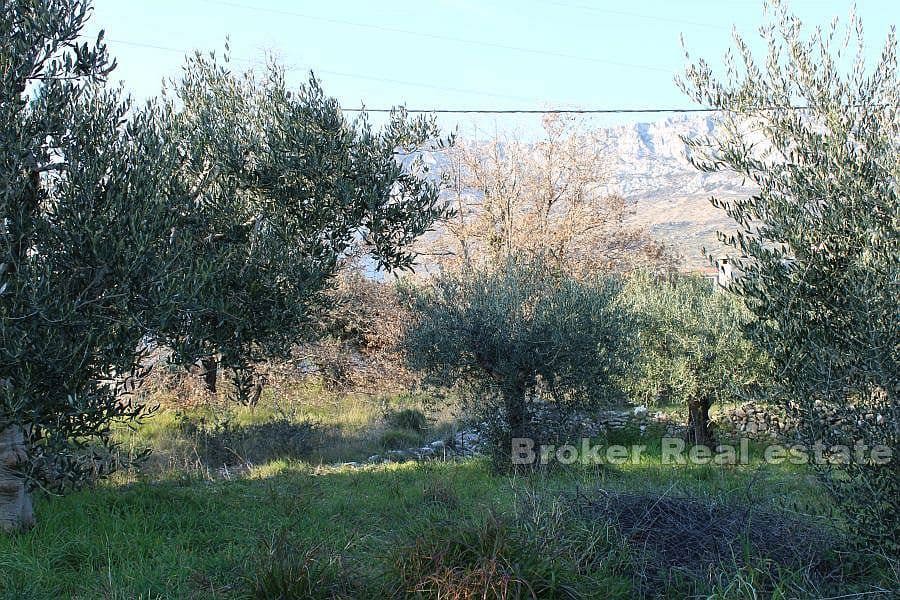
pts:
[290, 525]
[217, 448]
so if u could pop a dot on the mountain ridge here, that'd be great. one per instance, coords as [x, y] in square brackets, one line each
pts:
[665, 193]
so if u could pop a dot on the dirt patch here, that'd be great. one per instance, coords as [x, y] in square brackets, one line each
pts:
[675, 538]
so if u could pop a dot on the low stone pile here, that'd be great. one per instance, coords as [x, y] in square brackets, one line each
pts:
[461, 445]
[468, 443]
[638, 417]
[748, 419]
[752, 420]
[619, 419]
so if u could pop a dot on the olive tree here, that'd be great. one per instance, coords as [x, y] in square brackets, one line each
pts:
[89, 227]
[516, 337]
[818, 133]
[693, 350]
[290, 189]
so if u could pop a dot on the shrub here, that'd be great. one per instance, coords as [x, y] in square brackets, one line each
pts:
[476, 559]
[517, 337]
[287, 570]
[222, 442]
[399, 439]
[359, 333]
[542, 548]
[407, 418]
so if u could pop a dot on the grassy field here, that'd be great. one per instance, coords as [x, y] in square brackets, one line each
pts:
[300, 527]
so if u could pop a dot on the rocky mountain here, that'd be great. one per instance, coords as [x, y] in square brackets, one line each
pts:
[649, 168]
[648, 160]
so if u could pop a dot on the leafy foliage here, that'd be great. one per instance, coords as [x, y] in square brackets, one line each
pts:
[818, 248]
[87, 206]
[400, 439]
[221, 442]
[287, 189]
[520, 335]
[356, 342]
[693, 348]
[412, 419]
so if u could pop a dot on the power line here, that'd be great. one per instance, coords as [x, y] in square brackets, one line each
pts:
[589, 111]
[150, 46]
[446, 111]
[623, 13]
[436, 36]
[429, 86]
[425, 85]
[481, 111]
[537, 111]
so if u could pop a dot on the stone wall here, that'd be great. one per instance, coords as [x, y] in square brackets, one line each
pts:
[750, 420]
[754, 421]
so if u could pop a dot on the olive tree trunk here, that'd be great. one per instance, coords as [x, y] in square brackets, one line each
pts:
[16, 512]
[516, 411]
[699, 430]
[210, 373]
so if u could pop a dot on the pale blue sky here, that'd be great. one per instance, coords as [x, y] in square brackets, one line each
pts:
[492, 54]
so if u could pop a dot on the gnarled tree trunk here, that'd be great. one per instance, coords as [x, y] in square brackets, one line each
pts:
[699, 430]
[16, 512]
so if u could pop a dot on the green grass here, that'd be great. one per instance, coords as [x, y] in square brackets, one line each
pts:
[177, 539]
[349, 426]
[199, 538]
[172, 530]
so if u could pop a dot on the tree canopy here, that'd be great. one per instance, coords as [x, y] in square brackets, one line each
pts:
[211, 220]
[817, 132]
[289, 189]
[518, 335]
[87, 202]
